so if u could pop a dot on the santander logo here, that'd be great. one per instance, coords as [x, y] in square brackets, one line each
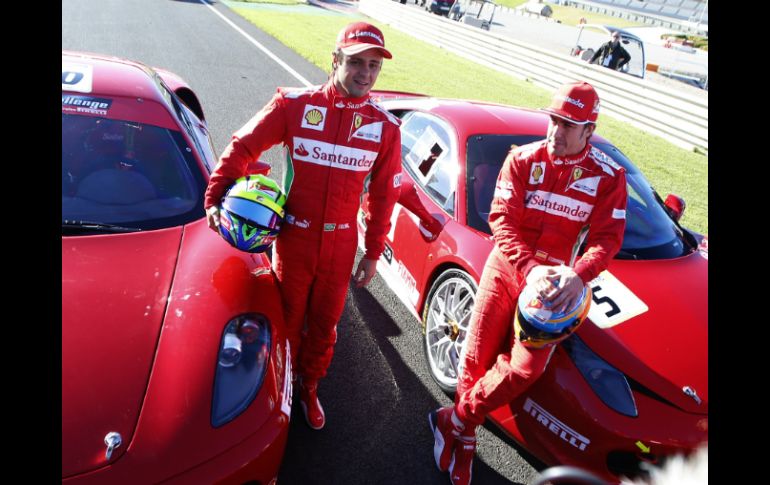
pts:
[301, 151]
[331, 155]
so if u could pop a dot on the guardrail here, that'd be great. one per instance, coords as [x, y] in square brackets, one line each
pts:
[678, 117]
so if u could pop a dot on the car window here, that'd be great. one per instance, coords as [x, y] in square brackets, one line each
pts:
[200, 135]
[121, 171]
[650, 233]
[485, 156]
[428, 153]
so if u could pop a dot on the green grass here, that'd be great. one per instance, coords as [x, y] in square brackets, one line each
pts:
[423, 68]
[572, 16]
[698, 41]
[511, 3]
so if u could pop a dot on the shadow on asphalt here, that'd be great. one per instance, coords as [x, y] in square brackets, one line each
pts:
[376, 409]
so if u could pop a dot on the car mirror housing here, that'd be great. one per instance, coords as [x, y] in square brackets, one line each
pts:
[675, 206]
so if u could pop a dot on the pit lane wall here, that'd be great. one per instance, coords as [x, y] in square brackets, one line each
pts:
[675, 116]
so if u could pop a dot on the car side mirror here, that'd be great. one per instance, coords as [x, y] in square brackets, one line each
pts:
[259, 167]
[675, 206]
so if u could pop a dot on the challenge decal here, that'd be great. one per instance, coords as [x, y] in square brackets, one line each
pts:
[85, 104]
[558, 205]
[76, 77]
[365, 128]
[336, 156]
[555, 426]
[409, 282]
[537, 174]
[314, 117]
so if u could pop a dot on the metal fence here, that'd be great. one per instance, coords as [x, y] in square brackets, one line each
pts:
[676, 116]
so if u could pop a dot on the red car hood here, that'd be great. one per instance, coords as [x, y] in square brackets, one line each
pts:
[665, 348]
[114, 294]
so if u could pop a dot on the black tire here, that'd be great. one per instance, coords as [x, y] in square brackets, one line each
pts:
[445, 328]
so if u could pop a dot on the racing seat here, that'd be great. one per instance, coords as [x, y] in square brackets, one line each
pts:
[484, 177]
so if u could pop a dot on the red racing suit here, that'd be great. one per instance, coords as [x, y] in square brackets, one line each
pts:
[333, 144]
[542, 211]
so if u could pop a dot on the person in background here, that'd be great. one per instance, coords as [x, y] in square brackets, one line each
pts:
[611, 54]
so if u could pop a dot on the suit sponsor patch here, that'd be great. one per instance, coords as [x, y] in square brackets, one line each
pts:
[336, 156]
[587, 185]
[558, 205]
[365, 128]
[537, 173]
[314, 117]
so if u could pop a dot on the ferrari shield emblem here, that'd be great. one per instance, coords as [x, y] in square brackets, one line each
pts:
[577, 173]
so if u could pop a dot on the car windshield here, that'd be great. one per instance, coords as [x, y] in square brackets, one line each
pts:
[650, 233]
[128, 173]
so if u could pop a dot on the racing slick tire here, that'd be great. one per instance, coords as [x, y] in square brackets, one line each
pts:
[446, 318]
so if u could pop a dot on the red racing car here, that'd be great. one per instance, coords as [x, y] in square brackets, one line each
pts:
[632, 385]
[175, 366]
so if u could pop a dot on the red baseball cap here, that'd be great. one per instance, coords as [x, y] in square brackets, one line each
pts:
[575, 102]
[360, 36]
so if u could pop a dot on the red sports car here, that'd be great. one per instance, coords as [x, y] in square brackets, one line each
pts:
[632, 385]
[174, 360]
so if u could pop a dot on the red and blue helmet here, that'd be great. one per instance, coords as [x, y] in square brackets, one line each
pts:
[536, 326]
[251, 213]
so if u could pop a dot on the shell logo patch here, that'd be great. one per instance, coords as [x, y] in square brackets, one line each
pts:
[537, 173]
[314, 117]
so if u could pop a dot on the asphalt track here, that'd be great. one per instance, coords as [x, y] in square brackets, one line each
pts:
[378, 391]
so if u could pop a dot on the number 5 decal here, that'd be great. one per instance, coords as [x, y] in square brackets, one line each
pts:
[613, 302]
[614, 310]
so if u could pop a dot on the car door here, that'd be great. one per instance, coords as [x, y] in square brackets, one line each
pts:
[429, 161]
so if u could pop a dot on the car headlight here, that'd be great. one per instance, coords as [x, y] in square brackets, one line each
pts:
[606, 381]
[244, 353]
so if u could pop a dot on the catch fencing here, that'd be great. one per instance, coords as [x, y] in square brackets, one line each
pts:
[676, 116]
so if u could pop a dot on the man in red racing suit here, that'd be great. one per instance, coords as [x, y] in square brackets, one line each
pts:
[335, 139]
[550, 197]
